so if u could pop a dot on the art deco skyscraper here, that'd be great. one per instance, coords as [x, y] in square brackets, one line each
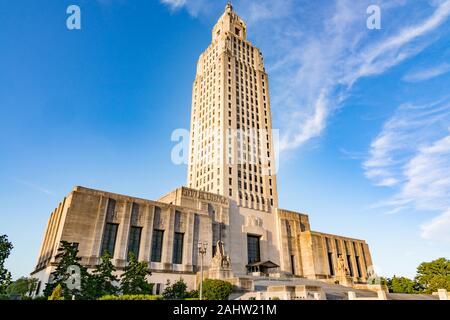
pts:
[231, 145]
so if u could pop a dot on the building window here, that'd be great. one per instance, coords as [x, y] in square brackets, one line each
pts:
[358, 266]
[157, 245]
[292, 264]
[110, 211]
[134, 241]
[350, 267]
[158, 288]
[109, 239]
[134, 214]
[330, 263]
[253, 249]
[38, 288]
[177, 257]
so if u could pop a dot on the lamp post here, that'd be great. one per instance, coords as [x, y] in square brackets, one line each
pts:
[202, 250]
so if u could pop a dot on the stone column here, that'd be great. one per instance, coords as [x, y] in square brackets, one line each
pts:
[353, 260]
[167, 250]
[98, 230]
[188, 244]
[120, 253]
[443, 295]
[147, 233]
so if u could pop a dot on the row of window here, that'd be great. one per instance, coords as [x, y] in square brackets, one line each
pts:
[348, 256]
[134, 243]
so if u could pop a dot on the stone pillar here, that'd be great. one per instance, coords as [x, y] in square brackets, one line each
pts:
[96, 242]
[147, 233]
[443, 295]
[188, 243]
[120, 253]
[169, 226]
[362, 261]
[381, 295]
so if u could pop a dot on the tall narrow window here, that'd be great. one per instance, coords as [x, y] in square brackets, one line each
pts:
[330, 263]
[292, 264]
[109, 238]
[135, 214]
[253, 249]
[157, 245]
[177, 257]
[134, 241]
[358, 266]
[329, 256]
[349, 262]
[110, 211]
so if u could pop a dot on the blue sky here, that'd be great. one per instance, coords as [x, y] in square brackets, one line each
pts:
[364, 115]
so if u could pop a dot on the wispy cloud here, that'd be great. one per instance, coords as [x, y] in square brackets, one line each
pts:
[34, 187]
[438, 228]
[427, 74]
[313, 63]
[174, 4]
[411, 154]
[194, 7]
[328, 68]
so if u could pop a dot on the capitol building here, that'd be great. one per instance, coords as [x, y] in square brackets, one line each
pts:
[229, 205]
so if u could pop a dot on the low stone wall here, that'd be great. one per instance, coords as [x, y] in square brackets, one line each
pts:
[381, 295]
[442, 294]
[371, 287]
[242, 284]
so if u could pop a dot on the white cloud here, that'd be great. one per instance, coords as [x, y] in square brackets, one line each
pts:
[411, 154]
[402, 135]
[315, 51]
[34, 187]
[438, 228]
[328, 68]
[174, 4]
[427, 74]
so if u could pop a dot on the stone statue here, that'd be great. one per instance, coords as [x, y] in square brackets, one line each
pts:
[220, 259]
[220, 263]
[342, 270]
[343, 274]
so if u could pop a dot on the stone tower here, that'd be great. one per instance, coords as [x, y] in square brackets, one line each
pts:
[231, 145]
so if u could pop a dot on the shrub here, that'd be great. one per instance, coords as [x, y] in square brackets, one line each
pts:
[176, 291]
[131, 297]
[192, 294]
[191, 299]
[216, 289]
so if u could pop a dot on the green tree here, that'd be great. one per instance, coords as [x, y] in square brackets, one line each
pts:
[434, 275]
[403, 285]
[176, 291]
[5, 275]
[133, 280]
[216, 289]
[67, 257]
[102, 280]
[22, 287]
